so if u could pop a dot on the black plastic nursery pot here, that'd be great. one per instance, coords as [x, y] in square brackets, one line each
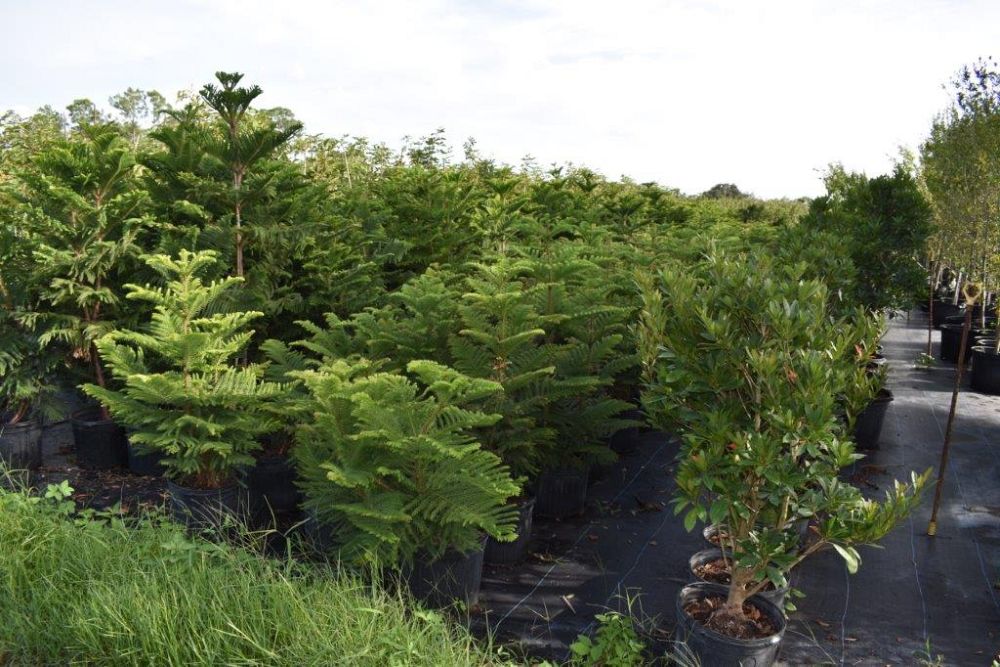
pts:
[985, 377]
[100, 443]
[144, 462]
[272, 485]
[20, 444]
[713, 649]
[321, 537]
[951, 340]
[876, 364]
[207, 508]
[562, 492]
[868, 427]
[775, 596]
[626, 441]
[943, 309]
[511, 553]
[454, 577]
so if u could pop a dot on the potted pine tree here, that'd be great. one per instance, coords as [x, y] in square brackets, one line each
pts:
[583, 337]
[83, 210]
[389, 463]
[26, 389]
[26, 367]
[747, 364]
[416, 323]
[183, 392]
[500, 340]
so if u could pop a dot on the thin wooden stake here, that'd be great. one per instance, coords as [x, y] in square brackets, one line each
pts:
[971, 292]
[930, 321]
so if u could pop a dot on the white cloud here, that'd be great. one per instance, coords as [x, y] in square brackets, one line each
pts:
[686, 93]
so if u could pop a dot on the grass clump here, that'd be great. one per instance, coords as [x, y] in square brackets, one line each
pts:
[108, 591]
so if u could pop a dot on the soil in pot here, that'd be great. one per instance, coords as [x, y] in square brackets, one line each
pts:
[100, 443]
[711, 565]
[715, 535]
[562, 492]
[20, 443]
[454, 577]
[207, 508]
[868, 426]
[715, 643]
[511, 553]
[272, 485]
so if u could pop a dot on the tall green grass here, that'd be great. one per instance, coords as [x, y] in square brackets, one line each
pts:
[85, 591]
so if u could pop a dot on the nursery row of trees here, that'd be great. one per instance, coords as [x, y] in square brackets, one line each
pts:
[960, 171]
[433, 340]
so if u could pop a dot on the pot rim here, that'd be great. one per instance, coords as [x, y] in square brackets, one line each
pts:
[703, 589]
[27, 422]
[191, 491]
[81, 416]
[715, 553]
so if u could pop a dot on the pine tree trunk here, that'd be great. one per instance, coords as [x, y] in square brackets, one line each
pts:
[99, 377]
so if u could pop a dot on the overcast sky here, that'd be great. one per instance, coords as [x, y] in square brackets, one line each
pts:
[689, 94]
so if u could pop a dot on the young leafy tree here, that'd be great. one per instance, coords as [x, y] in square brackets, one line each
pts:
[183, 394]
[135, 107]
[743, 359]
[824, 256]
[84, 210]
[391, 461]
[961, 171]
[887, 222]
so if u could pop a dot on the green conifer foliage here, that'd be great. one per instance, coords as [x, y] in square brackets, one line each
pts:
[183, 393]
[83, 210]
[584, 339]
[240, 145]
[501, 340]
[26, 366]
[392, 462]
[417, 323]
[223, 181]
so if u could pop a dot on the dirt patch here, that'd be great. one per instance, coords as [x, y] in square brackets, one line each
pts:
[102, 489]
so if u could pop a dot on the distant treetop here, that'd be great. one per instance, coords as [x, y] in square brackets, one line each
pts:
[725, 191]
